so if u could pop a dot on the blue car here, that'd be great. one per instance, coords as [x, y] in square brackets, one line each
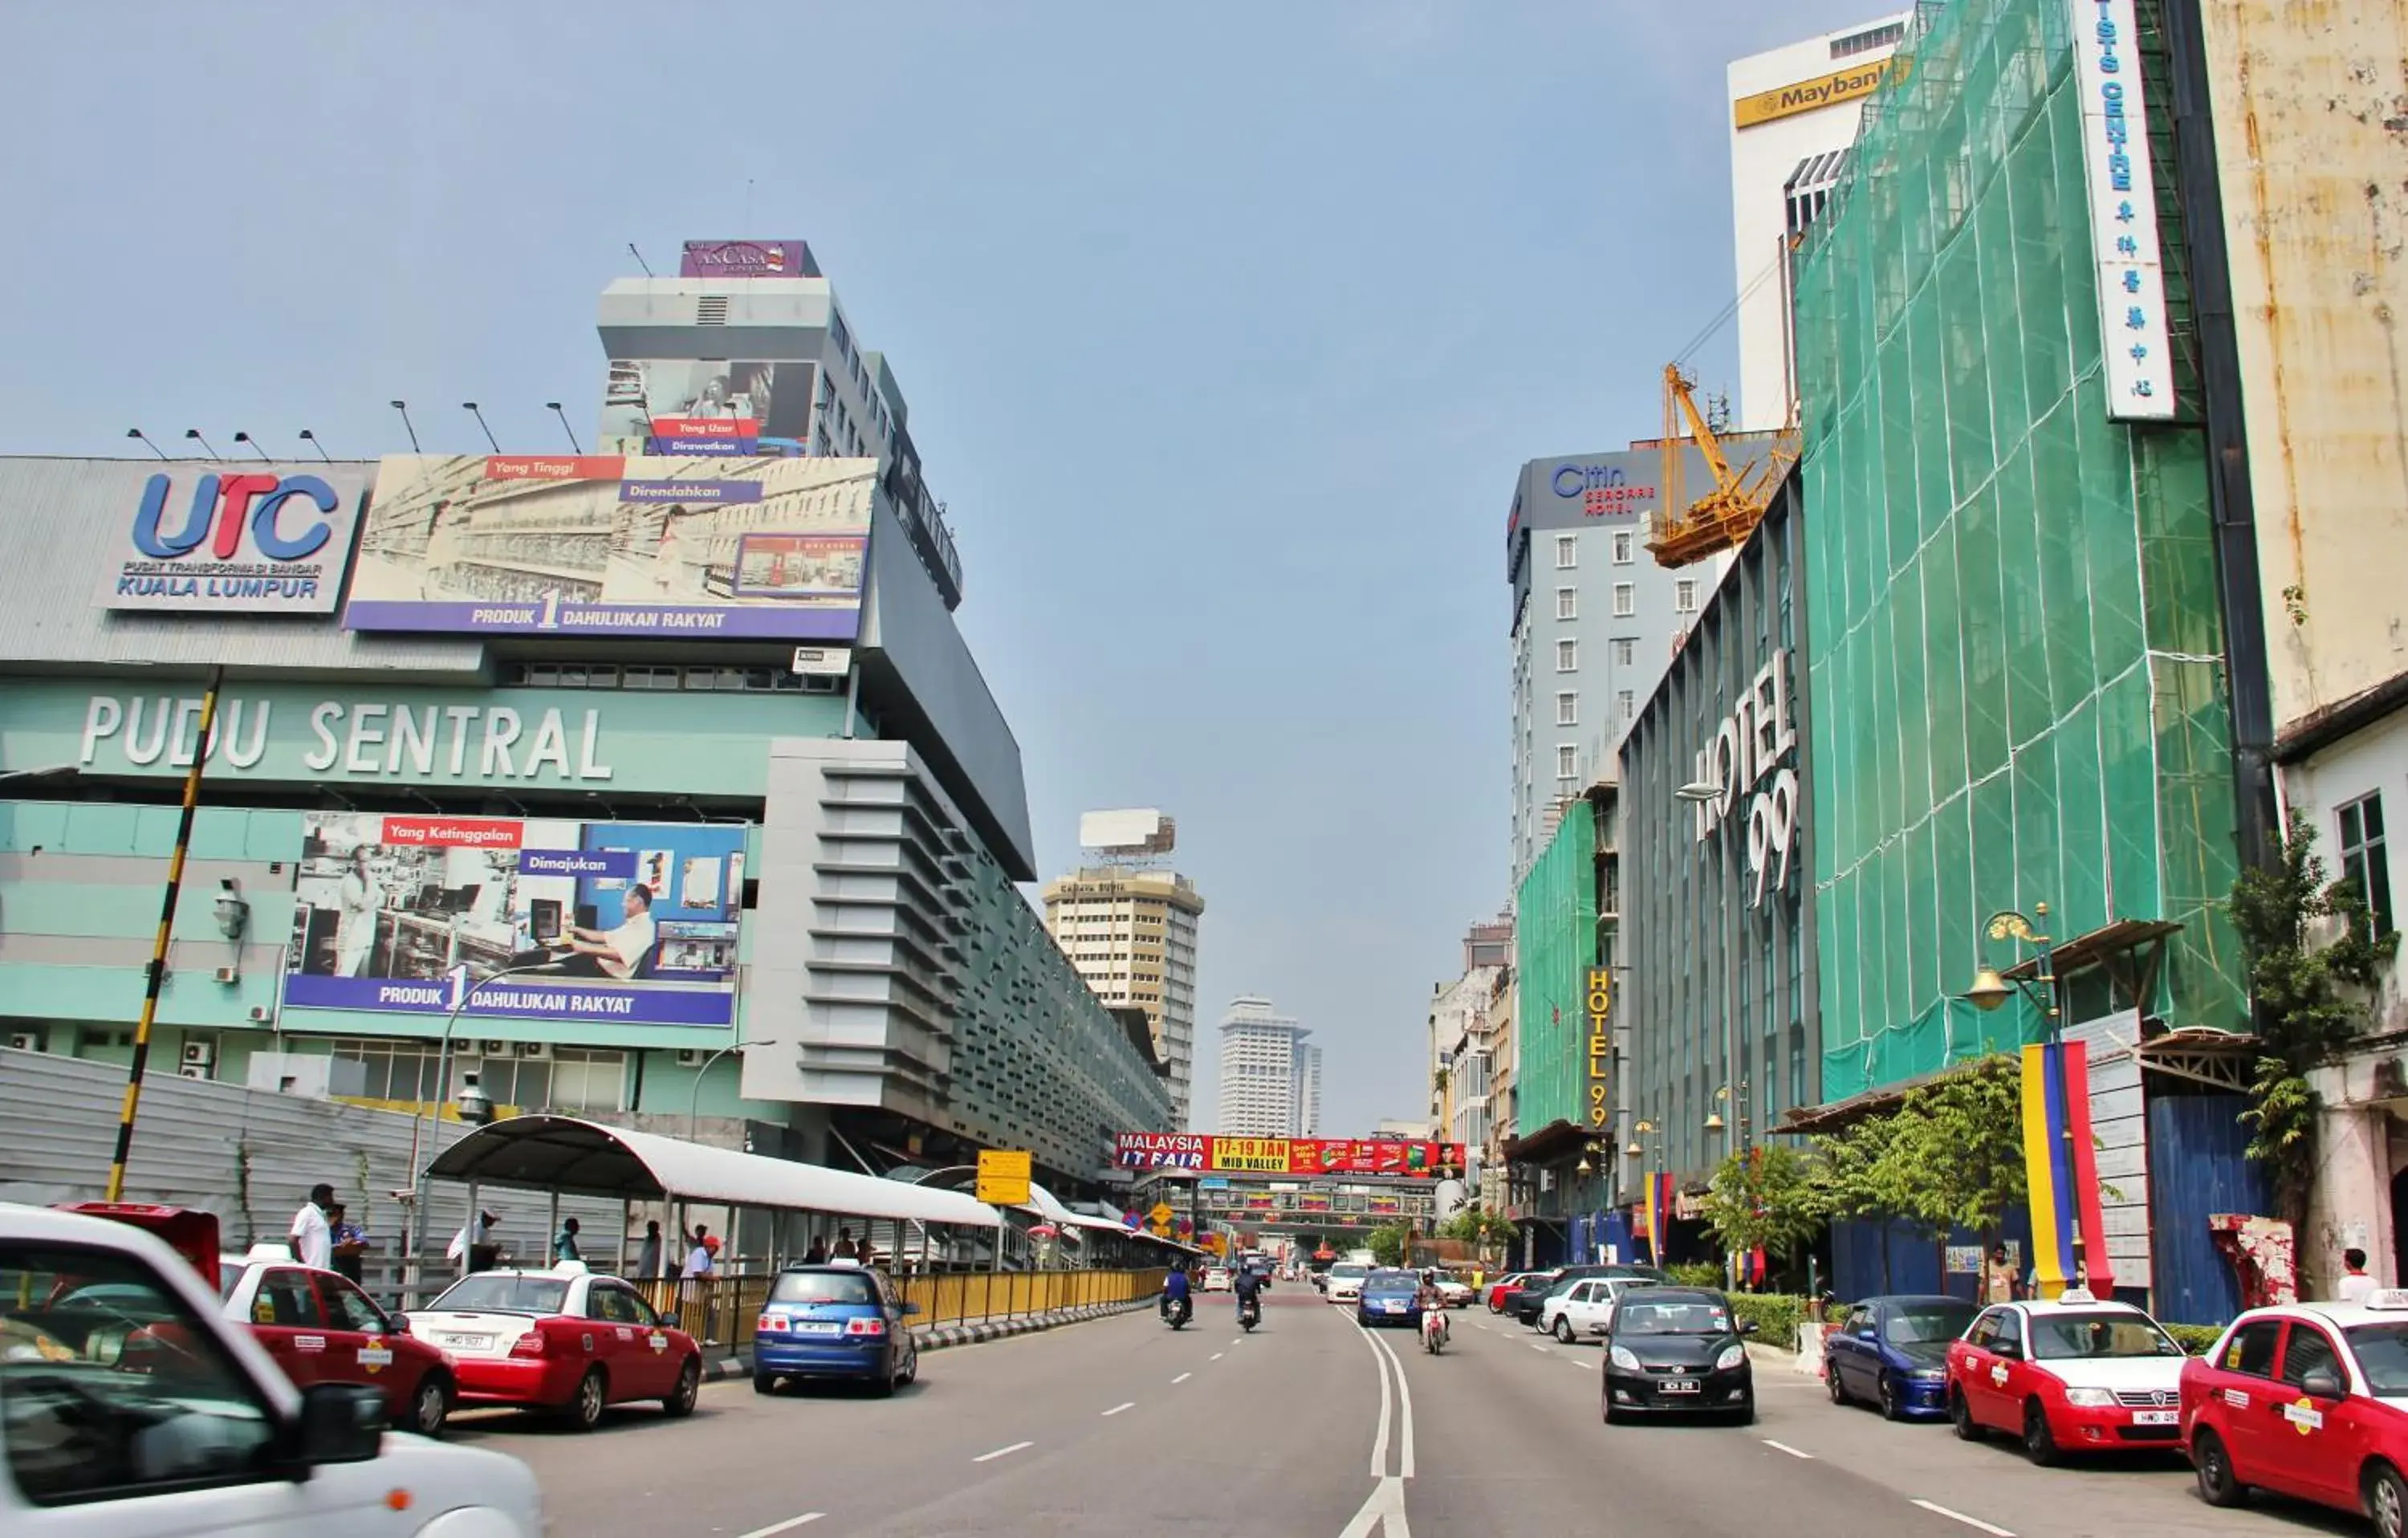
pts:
[1893, 1352]
[841, 1320]
[1390, 1297]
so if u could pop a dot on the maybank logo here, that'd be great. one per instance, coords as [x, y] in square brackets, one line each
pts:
[1810, 96]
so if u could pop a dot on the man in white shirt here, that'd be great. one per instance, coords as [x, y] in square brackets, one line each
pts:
[471, 1247]
[617, 953]
[312, 1236]
[2355, 1283]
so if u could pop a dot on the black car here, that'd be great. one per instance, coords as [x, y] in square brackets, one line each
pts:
[1677, 1351]
[1527, 1303]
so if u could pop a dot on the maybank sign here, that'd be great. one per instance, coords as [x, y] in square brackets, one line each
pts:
[1840, 85]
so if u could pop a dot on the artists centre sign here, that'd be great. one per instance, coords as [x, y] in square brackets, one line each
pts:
[1752, 761]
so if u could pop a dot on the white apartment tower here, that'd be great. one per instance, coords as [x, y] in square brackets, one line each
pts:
[1271, 1081]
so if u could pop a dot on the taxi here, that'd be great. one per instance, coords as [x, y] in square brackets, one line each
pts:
[2075, 1375]
[564, 1340]
[321, 1327]
[2308, 1401]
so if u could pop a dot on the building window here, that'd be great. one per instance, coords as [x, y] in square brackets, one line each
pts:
[1684, 596]
[1566, 551]
[2365, 860]
[1567, 603]
[1626, 650]
[1868, 40]
[1627, 703]
[1566, 709]
[1567, 760]
[1626, 599]
[1567, 656]
[1621, 547]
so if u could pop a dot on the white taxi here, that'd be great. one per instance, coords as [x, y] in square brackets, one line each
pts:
[1345, 1284]
[129, 1406]
[2309, 1401]
[2073, 1374]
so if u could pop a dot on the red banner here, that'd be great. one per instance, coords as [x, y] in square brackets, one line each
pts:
[1373, 1157]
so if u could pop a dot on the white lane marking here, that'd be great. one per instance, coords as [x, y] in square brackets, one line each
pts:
[1240, 1341]
[1577, 1363]
[1785, 1447]
[1974, 1522]
[1118, 1408]
[1380, 1439]
[1002, 1452]
[1536, 1347]
[1183, 1377]
[1216, 1356]
[1385, 1511]
[789, 1525]
[1405, 1421]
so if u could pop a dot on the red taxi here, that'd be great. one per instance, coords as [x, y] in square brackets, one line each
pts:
[321, 1327]
[2310, 1401]
[2075, 1375]
[563, 1339]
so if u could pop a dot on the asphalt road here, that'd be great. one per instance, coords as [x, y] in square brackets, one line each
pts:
[1312, 1429]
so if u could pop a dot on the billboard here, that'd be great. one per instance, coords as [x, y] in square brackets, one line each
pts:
[1372, 1157]
[266, 541]
[1161, 1150]
[716, 407]
[1411, 1158]
[1141, 831]
[634, 922]
[601, 545]
[747, 259]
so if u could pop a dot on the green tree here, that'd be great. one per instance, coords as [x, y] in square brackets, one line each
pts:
[1387, 1244]
[1771, 1198]
[2312, 957]
[1479, 1226]
[1951, 1156]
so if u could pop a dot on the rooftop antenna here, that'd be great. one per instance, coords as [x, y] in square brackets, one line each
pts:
[311, 438]
[403, 407]
[470, 407]
[195, 433]
[639, 259]
[138, 433]
[241, 437]
[564, 428]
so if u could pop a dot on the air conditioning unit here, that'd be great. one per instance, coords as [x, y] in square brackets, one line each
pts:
[191, 1072]
[689, 1057]
[228, 974]
[261, 1015]
[25, 1041]
[200, 1055]
[497, 1049]
[535, 1049]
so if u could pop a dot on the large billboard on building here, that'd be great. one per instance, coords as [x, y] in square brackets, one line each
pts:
[231, 540]
[631, 923]
[706, 405]
[1410, 1157]
[601, 545]
[747, 259]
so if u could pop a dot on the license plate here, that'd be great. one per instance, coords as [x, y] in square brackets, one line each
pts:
[818, 1327]
[1678, 1386]
[2156, 1417]
[1393, 1306]
[468, 1342]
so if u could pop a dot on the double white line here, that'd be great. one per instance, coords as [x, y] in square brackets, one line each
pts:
[1385, 1511]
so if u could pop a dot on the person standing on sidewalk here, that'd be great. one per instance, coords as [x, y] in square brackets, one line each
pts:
[2355, 1283]
[698, 1289]
[312, 1232]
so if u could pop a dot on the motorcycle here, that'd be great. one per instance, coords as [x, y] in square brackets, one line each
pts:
[1176, 1311]
[1249, 1314]
[1434, 1330]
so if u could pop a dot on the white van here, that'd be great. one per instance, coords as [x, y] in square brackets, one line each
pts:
[129, 1408]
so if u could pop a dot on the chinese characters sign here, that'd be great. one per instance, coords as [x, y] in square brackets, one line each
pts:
[2123, 210]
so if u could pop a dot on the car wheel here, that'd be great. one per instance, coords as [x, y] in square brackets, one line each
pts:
[2386, 1502]
[689, 1387]
[1831, 1378]
[882, 1387]
[765, 1383]
[1612, 1416]
[2214, 1465]
[1563, 1330]
[2039, 1445]
[585, 1406]
[1744, 1415]
[1960, 1415]
[430, 1406]
[1885, 1390]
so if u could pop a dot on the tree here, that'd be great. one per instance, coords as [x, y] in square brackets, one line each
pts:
[2309, 1000]
[1482, 1226]
[1951, 1156]
[1771, 1198]
[1387, 1244]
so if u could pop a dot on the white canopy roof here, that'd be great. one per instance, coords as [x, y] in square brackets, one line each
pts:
[587, 1158]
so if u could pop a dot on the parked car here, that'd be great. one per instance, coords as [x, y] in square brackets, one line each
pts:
[1677, 1351]
[1585, 1308]
[2305, 1399]
[1505, 1285]
[1528, 1290]
[1345, 1281]
[839, 1320]
[2073, 1374]
[1216, 1278]
[1389, 1297]
[563, 1339]
[1527, 1303]
[321, 1327]
[1453, 1290]
[151, 1413]
[1893, 1352]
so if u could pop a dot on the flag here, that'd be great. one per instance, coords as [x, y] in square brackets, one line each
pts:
[2061, 1168]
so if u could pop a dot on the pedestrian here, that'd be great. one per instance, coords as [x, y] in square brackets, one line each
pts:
[697, 1260]
[563, 1243]
[473, 1248]
[845, 1248]
[2355, 1283]
[869, 1252]
[1999, 1277]
[312, 1235]
[349, 1242]
[700, 1301]
[817, 1254]
[648, 1258]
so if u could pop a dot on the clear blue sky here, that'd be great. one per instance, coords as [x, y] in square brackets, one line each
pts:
[1223, 328]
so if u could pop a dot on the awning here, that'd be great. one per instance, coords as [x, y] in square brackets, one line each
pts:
[1098, 1224]
[579, 1158]
[1042, 1203]
[1552, 1144]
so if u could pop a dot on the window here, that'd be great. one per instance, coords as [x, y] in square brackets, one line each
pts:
[351, 1307]
[2365, 859]
[1625, 652]
[1622, 541]
[134, 1414]
[286, 1299]
[1567, 603]
[1627, 703]
[1567, 656]
[1684, 596]
[1868, 40]
[1626, 599]
[1566, 551]
[2309, 1350]
[2252, 1350]
[1567, 760]
[1566, 709]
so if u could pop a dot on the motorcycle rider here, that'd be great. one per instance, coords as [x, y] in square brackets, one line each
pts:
[1249, 1288]
[1175, 1290]
[1433, 1306]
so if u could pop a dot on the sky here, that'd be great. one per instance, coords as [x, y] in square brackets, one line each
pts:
[1224, 330]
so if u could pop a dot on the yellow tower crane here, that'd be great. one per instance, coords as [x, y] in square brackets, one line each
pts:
[1726, 515]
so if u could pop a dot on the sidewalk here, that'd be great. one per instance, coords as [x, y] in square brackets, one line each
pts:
[718, 1362]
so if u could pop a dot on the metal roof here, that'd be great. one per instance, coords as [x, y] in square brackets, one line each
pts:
[587, 1158]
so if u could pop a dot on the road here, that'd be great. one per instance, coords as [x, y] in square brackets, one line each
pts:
[1314, 1429]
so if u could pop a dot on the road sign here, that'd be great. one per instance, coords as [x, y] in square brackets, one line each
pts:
[1003, 1176]
[1162, 1213]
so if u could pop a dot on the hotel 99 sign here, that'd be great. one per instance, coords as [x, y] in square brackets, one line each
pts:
[1600, 1047]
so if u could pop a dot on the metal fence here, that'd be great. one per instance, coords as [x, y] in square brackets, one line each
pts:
[722, 1309]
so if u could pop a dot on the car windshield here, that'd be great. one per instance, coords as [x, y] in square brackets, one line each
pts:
[2382, 1353]
[822, 1286]
[1929, 1323]
[1647, 1317]
[1348, 1272]
[497, 1292]
[1400, 1285]
[2057, 1337]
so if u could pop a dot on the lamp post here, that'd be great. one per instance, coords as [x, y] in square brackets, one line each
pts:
[1640, 1131]
[1715, 1122]
[693, 1106]
[412, 1265]
[1989, 989]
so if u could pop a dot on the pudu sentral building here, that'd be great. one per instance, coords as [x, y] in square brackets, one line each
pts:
[664, 750]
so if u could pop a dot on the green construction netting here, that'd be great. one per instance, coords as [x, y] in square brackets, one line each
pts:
[1554, 945]
[2013, 650]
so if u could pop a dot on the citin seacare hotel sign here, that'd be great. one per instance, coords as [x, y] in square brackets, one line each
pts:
[1823, 91]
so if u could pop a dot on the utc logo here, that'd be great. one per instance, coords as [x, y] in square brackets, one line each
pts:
[223, 507]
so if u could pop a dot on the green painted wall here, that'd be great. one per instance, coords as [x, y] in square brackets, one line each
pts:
[1554, 945]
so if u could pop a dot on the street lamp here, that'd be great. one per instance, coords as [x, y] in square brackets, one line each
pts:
[1700, 790]
[1989, 989]
[1715, 1122]
[1640, 1130]
[693, 1107]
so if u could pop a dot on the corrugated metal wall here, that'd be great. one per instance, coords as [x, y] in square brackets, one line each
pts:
[2196, 1149]
[1915, 1259]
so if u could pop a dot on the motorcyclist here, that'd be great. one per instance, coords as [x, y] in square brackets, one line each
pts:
[1249, 1288]
[1433, 1307]
[1175, 1294]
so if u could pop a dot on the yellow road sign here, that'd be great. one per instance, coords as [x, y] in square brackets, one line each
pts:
[1003, 1176]
[1162, 1213]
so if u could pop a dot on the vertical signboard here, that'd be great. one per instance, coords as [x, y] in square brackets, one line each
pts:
[2123, 210]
